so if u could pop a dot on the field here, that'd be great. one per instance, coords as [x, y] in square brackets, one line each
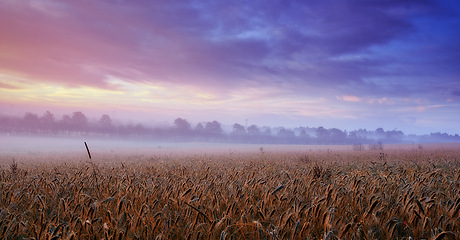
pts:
[410, 192]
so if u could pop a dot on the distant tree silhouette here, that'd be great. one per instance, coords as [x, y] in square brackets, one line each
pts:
[285, 133]
[105, 124]
[182, 125]
[254, 135]
[394, 136]
[65, 123]
[79, 119]
[105, 121]
[323, 135]
[358, 136]
[182, 129]
[199, 128]
[304, 138]
[285, 136]
[31, 122]
[253, 130]
[31, 118]
[238, 133]
[337, 136]
[238, 129]
[47, 118]
[303, 134]
[380, 132]
[198, 131]
[48, 122]
[213, 129]
[266, 135]
[77, 123]
[140, 130]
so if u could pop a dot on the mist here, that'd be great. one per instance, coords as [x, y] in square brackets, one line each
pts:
[47, 132]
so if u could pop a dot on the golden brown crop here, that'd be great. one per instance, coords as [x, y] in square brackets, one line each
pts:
[266, 195]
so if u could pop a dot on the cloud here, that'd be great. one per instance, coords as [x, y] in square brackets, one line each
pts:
[380, 101]
[8, 86]
[206, 42]
[422, 108]
[349, 98]
[229, 51]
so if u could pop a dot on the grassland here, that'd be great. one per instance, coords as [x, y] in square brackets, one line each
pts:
[411, 193]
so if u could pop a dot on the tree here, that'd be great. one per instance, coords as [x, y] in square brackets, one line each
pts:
[253, 130]
[285, 133]
[323, 135]
[394, 135]
[380, 131]
[303, 134]
[105, 123]
[47, 121]
[182, 125]
[213, 128]
[337, 136]
[199, 128]
[304, 137]
[238, 129]
[31, 118]
[358, 136]
[182, 128]
[31, 121]
[79, 118]
[47, 118]
[79, 121]
[198, 131]
[66, 122]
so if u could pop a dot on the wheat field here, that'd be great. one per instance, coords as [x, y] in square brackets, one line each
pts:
[315, 194]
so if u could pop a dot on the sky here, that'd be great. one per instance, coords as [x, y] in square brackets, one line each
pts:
[344, 64]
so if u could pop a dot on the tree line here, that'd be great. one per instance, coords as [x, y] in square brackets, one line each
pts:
[78, 124]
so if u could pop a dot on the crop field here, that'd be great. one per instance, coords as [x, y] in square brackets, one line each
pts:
[395, 193]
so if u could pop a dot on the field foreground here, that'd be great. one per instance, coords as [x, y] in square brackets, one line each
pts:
[398, 194]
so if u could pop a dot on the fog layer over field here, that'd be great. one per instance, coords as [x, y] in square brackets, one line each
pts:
[37, 144]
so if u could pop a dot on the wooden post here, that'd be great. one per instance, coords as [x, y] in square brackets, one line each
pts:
[87, 149]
